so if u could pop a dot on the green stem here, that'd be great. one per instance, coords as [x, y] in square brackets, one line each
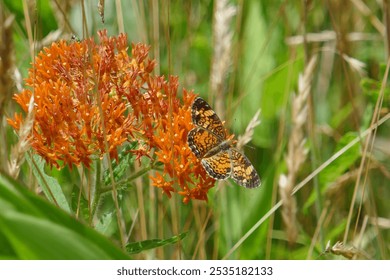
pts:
[127, 180]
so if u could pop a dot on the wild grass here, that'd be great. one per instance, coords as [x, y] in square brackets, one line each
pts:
[318, 73]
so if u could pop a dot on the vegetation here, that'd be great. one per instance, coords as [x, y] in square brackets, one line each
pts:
[95, 108]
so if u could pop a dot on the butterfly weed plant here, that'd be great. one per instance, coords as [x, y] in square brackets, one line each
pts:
[90, 98]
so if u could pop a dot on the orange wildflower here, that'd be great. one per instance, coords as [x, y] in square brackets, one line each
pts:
[180, 164]
[69, 82]
[86, 93]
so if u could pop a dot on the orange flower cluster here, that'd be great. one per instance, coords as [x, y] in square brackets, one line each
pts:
[181, 167]
[89, 97]
[78, 92]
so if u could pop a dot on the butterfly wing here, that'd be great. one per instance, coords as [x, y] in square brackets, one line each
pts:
[243, 172]
[201, 141]
[204, 116]
[218, 166]
[208, 142]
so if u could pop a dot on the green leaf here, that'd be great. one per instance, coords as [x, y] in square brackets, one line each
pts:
[104, 224]
[119, 168]
[50, 186]
[39, 238]
[338, 166]
[343, 162]
[47, 21]
[371, 88]
[137, 247]
[256, 62]
[341, 115]
[33, 228]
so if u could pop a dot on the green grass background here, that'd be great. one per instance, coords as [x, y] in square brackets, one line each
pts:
[235, 223]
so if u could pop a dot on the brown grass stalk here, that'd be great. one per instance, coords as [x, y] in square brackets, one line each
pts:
[19, 150]
[365, 163]
[304, 182]
[6, 89]
[6, 74]
[348, 252]
[248, 134]
[6, 62]
[222, 42]
[296, 154]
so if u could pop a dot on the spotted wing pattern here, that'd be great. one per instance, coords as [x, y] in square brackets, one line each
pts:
[243, 171]
[208, 142]
[204, 116]
[201, 141]
[218, 166]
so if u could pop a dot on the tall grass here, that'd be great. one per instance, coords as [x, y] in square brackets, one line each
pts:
[318, 73]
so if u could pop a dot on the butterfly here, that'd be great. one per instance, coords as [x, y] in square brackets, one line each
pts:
[217, 154]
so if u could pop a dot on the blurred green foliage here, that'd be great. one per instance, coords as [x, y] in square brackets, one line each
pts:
[264, 75]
